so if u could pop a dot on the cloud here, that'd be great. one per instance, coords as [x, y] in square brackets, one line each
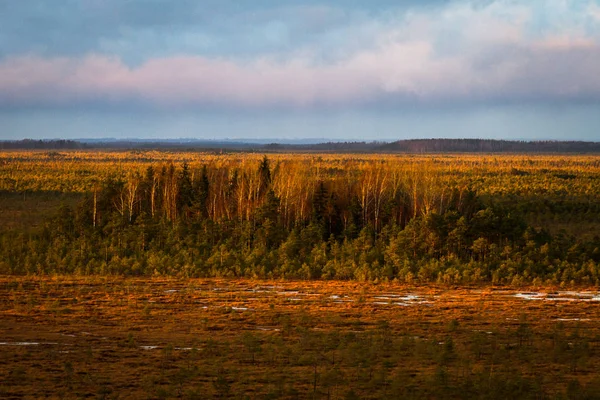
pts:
[136, 30]
[457, 53]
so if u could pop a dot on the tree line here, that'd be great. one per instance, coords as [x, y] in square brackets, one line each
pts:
[291, 220]
[31, 144]
[410, 146]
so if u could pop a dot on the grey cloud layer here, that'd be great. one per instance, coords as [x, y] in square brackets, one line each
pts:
[140, 29]
[219, 53]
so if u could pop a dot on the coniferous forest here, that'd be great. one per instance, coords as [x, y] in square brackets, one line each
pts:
[461, 219]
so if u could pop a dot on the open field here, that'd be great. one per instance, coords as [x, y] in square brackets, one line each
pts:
[161, 338]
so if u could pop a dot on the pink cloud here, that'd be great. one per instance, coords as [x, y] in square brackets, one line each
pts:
[493, 59]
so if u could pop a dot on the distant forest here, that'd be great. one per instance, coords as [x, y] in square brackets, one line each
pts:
[416, 146]
[29, 144]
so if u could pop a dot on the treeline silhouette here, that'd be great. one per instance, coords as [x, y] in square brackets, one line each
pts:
[416, 146]
[30, 144]
[489, 146]
[419, 146]
[374, 223]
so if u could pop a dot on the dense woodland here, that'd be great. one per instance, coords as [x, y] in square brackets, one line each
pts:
[304, 217]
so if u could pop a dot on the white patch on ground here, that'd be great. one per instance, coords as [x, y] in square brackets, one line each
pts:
[341, 299]
[573, 319]
[559, 296]
[148, 347]
[26, 343]
[530, 296]
[404, 300]
[578, 294]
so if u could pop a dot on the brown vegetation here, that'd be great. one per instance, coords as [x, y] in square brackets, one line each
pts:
[163, 338]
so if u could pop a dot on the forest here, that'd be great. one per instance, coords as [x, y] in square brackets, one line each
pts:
[447, 219]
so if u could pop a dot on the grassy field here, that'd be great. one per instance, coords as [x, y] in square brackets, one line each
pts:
[166, 338]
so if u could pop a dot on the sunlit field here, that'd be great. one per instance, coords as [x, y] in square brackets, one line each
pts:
[167, 338]
[298, 276]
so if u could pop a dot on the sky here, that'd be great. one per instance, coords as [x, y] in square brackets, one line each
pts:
[290, 69]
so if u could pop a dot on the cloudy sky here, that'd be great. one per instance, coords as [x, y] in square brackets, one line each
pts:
[344, 69]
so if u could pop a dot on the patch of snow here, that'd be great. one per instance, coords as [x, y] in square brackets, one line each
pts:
[573, 319]
[577, 294]
[530, 296]
[19, 344]
[262, 328]
[26, 343]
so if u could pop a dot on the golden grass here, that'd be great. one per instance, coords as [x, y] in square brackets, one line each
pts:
[149, 338]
